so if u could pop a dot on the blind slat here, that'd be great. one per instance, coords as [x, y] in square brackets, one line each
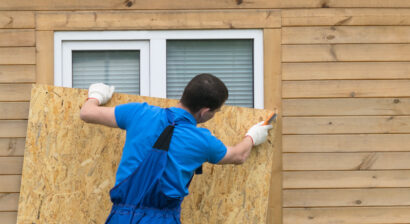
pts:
[118, 68]
[229, 60]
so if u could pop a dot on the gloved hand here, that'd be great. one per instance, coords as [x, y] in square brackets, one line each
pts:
[258, 133]
[101, 92]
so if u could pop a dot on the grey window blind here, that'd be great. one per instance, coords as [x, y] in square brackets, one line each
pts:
[118, 68]
[229, 60]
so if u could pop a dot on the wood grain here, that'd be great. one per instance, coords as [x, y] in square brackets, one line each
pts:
[170, 20]
[17, 37]
[346, 179]
[346, 70]
[346, 106]
[347, 143]
[63, 168]
[16, 20]
[346, 161]
[347, 215]
[346, 88]
[346, 52]
[346, 17]
[17, 73]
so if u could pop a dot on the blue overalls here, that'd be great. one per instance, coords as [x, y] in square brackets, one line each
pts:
[139, 198]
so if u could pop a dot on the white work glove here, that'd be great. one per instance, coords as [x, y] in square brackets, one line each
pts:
[101, 92]
[259, 132]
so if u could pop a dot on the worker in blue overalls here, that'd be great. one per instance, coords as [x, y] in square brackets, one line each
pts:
[164, 148]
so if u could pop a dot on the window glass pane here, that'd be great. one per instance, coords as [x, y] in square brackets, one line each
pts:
[118, 68]
[229, 60]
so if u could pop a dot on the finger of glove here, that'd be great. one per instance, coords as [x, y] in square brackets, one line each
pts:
[112, 89]
[97, 85]
[267, 127]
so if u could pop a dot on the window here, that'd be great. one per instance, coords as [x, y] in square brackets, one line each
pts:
[160, 63]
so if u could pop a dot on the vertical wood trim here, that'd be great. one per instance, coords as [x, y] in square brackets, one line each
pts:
[45, 57]
[272, 98]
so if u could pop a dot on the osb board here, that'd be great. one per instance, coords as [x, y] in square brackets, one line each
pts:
[70, 166]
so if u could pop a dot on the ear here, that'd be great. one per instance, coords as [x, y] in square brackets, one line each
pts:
[203, 111]
[200, 114]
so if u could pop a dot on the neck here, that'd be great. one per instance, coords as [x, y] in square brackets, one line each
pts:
[180, 105]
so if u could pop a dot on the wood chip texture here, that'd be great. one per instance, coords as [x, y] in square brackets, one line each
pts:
[69, 165]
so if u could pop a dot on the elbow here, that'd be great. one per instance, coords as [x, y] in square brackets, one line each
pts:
[240, 160]
[85, 115]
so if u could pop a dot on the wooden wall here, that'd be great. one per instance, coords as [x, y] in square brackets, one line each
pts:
[346, 107]
[344, 77]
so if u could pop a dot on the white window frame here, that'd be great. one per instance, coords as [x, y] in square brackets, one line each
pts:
[154, 84]
[65, 78]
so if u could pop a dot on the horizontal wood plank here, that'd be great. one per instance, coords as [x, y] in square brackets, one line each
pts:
[346, 161]
[8, 217]
[132, 5]
[45, 57]
[13, 128]
[347, 125]
[197, 4]
[347, 215]
[345, 70]
[10, 183]
[18, 55]
[346, 52]
[12, 146]
[346, 197]
[346, 106]
[9, 202]
[347, 143]
[346, 88]
[17, 73]
[17, 37]
[15, 92]
[14, 110]
[346, 179]
[337, 17]
[346, 34]
[16, 20]
[343, 3]
[11, 165]
[106, 20]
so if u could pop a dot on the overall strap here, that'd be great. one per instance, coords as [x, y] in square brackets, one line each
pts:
[164, 139]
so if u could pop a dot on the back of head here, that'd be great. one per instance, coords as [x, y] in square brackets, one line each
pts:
[204, 90]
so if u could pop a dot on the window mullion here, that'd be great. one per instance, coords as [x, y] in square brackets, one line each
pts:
[158, 68]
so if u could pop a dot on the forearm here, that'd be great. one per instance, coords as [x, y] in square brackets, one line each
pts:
[239, 153]
[91, 112]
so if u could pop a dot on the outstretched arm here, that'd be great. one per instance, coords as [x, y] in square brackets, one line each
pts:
[238, 154]
[92, 112]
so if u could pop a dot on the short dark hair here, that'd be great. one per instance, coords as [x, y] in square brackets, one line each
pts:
[204, 90]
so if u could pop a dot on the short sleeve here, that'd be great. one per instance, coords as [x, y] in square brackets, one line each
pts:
[217, 150]
[125, 113]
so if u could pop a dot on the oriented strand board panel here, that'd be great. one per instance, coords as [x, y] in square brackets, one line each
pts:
[69, 166]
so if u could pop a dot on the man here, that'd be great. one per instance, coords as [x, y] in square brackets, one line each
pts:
[163, 148]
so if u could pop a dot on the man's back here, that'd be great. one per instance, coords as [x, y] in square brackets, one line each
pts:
[190, 146]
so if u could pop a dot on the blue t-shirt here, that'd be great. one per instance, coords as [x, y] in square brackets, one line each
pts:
[190, 145]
